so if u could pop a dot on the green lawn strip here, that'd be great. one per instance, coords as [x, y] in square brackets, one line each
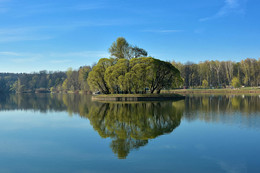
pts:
[240, 90]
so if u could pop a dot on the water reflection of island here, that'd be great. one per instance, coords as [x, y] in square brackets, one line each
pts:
[131, 125]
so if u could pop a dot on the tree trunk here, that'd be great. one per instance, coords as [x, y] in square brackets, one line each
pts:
[152, 90]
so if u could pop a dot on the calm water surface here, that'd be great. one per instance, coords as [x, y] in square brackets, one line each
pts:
[70, 133]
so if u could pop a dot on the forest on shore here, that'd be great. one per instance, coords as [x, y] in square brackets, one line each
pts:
[129, 70]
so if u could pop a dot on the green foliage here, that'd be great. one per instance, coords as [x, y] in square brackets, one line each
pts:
[32, 82]
[119, 48]
[178, 82]
[65, 85]
[136, 52]
[69, 72]
[72, 82]
[2, 85]
[52, 89]
[139, 73]
[115, 75]
[235, 82]
[164, 75]
[18, 86]
[24, 82]
[205, 83]
[135, 75]
[122, 50]
[82, 77]
[220, 73]
[96, 78]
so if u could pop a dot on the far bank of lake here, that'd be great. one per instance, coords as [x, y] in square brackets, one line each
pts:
[250, 90]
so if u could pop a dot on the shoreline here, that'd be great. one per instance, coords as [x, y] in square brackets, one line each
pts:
[212, 91]
[137, 97]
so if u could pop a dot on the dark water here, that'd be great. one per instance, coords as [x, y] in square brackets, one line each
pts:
[70, 133]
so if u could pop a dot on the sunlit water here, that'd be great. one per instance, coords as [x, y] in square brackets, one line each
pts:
[70, 133]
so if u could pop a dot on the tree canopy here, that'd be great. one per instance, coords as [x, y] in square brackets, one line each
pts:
[132, 76]
[96, 78]
[121, 49]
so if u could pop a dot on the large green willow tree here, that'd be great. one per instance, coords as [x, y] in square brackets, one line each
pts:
[131, 71]
[132, 76]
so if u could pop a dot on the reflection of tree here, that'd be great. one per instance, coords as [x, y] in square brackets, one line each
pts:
[129, 125]
[37, 102]
[217, 108]
[72, 103]
[81, 104]
[122, 147]
[132, 125]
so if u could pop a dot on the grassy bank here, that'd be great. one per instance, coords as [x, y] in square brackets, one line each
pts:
[247, 90]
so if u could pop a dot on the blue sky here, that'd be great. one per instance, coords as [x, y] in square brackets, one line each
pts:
[54, 35]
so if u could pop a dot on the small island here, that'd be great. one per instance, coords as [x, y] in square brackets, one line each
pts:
[137, 97]
[132, 76]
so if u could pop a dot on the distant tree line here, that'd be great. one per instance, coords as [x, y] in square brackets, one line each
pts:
[6, 81]
[220, 74]
[71, 80]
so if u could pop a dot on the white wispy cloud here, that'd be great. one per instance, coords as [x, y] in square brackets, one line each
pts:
[20, 57]
[24, 38]
[90, 54]
[47, 32]
[24, 60]
[163, 31]
[52, 57]
[230, 7]
[60, 61]
[9, 53]
[12, 34]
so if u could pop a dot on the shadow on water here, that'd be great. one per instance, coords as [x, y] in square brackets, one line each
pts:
[131, 125]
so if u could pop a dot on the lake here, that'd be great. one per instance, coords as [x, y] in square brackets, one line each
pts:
[70, 133]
